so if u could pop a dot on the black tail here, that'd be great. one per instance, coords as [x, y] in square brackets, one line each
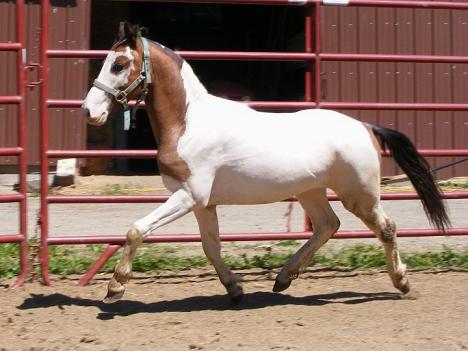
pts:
[418, 171]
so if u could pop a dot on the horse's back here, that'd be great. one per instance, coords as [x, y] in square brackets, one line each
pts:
[235, 123]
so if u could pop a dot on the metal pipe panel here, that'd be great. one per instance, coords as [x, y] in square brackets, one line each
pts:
[186, 238]
[312, 55]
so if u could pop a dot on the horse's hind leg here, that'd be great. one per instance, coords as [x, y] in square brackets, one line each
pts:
[209, 230]
[179, 204]
[324, 222]
[367, 207]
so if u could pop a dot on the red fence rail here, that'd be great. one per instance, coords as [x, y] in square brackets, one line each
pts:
[18, 151]
[312, 55]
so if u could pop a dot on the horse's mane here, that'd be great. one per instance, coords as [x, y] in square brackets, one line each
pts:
[175, 56]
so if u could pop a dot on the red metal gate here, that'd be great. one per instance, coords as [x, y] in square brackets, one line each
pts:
[312, 55]
[19, 151]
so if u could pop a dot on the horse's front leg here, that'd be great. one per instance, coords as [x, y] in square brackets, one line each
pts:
[179, 204]
[209, 230]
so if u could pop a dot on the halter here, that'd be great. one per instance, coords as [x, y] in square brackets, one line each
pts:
[121, 95]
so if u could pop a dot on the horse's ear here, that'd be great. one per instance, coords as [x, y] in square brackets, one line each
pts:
[127, 32]
[144, 32]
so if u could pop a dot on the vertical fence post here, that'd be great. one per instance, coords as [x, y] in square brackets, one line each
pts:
[309, 48]
[44, 143]
[317, 49]
[22, 157]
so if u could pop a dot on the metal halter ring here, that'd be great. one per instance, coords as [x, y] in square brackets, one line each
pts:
[121, 97]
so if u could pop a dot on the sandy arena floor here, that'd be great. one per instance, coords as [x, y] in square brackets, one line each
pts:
[321, 311]
[189, 311]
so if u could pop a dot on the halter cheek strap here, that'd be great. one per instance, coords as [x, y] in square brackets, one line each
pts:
[121, 95]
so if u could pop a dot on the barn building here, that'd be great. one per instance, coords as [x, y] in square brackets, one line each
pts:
[86, 24]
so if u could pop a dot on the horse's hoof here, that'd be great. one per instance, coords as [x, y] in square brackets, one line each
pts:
[404, 287]
[281, 286]
[113, 296]
[235, 300]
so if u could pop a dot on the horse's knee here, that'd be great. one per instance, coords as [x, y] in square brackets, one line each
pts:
[134, 236]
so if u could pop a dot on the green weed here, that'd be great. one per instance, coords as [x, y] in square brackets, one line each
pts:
[9, 260]
[66, 260]
[114, 189]
[287, 243]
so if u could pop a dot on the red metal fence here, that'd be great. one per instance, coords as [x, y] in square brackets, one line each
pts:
[312, 55]
[19, 151]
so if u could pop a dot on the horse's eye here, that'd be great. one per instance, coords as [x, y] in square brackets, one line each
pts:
[117, 67]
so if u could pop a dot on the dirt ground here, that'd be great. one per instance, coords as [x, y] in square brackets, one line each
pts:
[189, 311]
[324, 310]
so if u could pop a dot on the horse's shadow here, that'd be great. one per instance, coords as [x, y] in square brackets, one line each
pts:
[255, 300]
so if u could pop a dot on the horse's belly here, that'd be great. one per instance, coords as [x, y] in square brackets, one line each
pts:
[239, 188]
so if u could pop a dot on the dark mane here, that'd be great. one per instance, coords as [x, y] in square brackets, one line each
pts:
[171, 53]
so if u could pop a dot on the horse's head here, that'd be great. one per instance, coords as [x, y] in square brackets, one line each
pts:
[123, 76]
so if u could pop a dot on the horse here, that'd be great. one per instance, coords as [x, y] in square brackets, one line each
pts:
[213, 151]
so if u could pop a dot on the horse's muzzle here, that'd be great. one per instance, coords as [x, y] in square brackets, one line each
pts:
[96, 121]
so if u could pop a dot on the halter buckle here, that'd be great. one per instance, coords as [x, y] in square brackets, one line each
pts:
[121, 97]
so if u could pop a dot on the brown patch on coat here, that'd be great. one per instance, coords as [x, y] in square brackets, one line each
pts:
[167, 108]
[176, 57]
[166, 104]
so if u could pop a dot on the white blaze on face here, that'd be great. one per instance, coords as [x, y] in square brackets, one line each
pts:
[97, 102]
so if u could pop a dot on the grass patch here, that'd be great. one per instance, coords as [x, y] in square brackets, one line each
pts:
[457, 183]
[114, 189]
[287, 243]
[66, 260]
[268, 260]
[9, 260]
[368, 256]
[447, 258]
[355, 257]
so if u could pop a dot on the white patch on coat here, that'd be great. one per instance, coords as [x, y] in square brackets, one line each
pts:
[240, 156]
[193, 88]
[237, 155]
[98, 102]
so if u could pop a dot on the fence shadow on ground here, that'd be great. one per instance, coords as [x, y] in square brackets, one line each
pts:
[250, 301]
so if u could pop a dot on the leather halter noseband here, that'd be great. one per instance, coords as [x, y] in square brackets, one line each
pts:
[121, 96]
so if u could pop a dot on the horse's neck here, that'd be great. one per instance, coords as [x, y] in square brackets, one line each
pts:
[166, 103]
[167, 109]
[175, 87]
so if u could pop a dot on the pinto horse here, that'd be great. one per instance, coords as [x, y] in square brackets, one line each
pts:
[213, 151]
